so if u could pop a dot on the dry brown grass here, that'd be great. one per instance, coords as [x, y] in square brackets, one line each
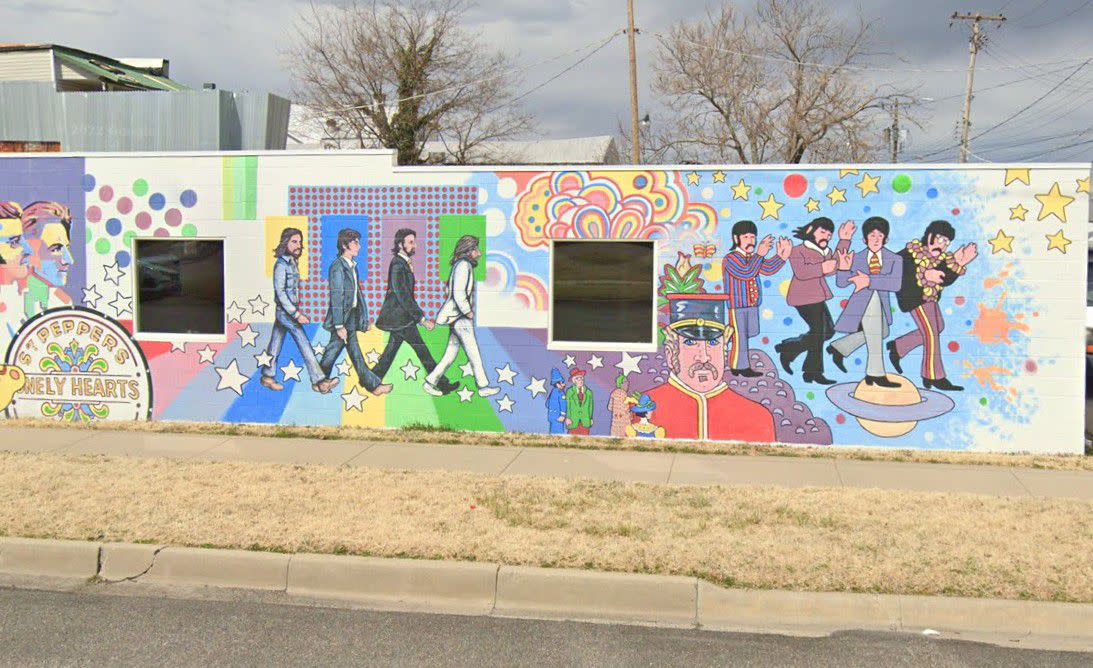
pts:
[810, 539]
[426, 434]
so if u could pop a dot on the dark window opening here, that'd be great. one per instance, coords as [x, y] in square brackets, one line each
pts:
[603, 291]
[180, 286]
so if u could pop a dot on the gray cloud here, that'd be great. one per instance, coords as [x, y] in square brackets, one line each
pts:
[240, 45]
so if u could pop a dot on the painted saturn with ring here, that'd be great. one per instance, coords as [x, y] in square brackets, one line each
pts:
[889, 412]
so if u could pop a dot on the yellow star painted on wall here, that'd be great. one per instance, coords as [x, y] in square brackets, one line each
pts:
[1057, 241]
[1083, 185]
[836, 195]
[719, 176]
[1001, 242]
[1018, 212]
[1053, 203]
[1021, 175]
[693, 178]
[847, 172]
[812, 206]
[770, 208]
[868, 184]
[741, 190]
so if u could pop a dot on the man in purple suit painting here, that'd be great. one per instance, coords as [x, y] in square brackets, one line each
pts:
[875, 273]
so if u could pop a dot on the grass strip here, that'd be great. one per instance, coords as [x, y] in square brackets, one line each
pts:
[813, 539]
[427, 434]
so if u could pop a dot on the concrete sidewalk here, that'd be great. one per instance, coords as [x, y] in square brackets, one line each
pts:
[671, 468]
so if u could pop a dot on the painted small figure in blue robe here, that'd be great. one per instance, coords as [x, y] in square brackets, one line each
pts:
[556, 403]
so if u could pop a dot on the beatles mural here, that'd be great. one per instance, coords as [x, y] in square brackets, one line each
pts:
[925, 307]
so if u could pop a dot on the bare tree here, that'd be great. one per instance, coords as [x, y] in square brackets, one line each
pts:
[779, 86]
[398, 73]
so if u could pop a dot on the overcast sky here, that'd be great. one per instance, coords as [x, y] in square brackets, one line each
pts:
[239, 45]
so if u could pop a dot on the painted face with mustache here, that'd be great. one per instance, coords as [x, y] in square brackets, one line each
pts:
[702, 363]
[746, 242]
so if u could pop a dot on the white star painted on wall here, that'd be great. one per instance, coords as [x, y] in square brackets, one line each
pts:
[247, 336]
[263, 359]
[372, 357]
[231, 379]
[258, 305]
[467, 369]
[121, 305]
[629, 364]
[317, 349]
[236, 313]
[206, 355]
[595, 362]
[569, 361]
[345, 367]
[112, 273]
[537, 386]
[353, 400]
[178, 345]
[409, 370]
[506, 374]
[91, 297]
[291, 371]
[504, 404]
[465, 395]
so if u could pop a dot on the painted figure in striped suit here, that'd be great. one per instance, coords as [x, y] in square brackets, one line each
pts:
[741, 267]
[927, 269]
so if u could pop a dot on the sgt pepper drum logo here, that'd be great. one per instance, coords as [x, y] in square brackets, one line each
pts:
[80, 366]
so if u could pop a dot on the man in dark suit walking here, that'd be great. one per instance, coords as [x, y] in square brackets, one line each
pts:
[348, 314]
[400, 314]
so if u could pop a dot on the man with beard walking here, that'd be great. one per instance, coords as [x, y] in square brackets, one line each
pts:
[287, 318]
[741, 268]
[812, 262]
[400, 314]
[458, 313]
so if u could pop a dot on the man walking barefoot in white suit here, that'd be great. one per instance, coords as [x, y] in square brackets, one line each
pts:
[457, 313]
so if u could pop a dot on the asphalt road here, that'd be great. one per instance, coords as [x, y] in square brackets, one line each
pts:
[65, 628]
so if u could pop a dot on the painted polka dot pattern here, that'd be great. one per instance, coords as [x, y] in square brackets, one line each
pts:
[378, 203]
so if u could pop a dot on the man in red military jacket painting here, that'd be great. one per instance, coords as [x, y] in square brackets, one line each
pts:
[696, 402]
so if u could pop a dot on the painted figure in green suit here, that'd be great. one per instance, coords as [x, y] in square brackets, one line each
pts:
[579, 404]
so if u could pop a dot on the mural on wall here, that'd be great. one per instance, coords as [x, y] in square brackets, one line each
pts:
[932, 308]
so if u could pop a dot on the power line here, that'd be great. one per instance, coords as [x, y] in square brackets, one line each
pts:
[1060, 18]
[597, 44]
[1011, 116]
[861, 68]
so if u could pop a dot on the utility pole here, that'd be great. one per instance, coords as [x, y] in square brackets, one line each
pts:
[635, 136]
[974, 43]
[895, 131]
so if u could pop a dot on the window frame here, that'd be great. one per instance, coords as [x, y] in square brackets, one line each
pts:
[181, 337]
[605, 346]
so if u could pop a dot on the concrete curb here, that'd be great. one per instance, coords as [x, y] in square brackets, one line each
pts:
[52, 558]
[521, 591]
[448, 586]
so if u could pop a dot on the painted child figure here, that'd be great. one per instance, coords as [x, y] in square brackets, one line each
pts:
[618, 404]
[643, 428]
[556, 403]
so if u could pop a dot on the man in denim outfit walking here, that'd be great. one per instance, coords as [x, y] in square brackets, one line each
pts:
[288, 319]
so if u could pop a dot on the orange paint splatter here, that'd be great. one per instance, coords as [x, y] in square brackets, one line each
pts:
[995, 281]
[994, 325]
[987, 377]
